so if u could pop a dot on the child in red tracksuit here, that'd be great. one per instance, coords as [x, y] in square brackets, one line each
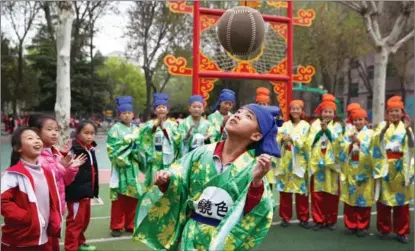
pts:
[82, 189]
[30, 202]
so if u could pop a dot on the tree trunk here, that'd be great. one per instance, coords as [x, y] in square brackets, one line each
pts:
[63, 77]
[91, 53]
[149, 84]
[379, 82]
[19, 77]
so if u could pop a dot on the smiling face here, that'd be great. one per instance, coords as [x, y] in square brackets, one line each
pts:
[395, 115]
[196, 109]
[126, 117]
[49, 132]
[359, 123]
[295, 111]
[161, 111]
[244, 124]
[31, 145]
[327, 114]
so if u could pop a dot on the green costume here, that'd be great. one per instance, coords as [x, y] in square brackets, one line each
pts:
[216, 119]
[159, 151]
[122, 143]
[163, 220]
[197, 137]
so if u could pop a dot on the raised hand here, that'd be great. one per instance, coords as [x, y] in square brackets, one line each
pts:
[66, 161]
[66, 147]
[324, 125]
[407, 123]
[79, 160]
[261, 169]
[162, 178]
[225, 119]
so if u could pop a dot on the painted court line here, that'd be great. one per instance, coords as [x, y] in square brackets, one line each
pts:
[275, 223]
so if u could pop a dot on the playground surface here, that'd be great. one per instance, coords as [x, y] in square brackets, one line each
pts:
[291, 238]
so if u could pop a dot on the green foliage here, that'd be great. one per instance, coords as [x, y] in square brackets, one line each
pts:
[337, 33]
[122, 78]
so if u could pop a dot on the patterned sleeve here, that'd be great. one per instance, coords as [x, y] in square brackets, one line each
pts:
[119, 147]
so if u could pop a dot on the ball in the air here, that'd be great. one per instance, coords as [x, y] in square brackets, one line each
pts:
[241, 30]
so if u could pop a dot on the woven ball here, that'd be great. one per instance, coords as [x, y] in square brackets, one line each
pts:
[241, 30]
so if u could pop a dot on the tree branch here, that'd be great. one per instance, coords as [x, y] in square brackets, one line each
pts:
[408, 36]
[354, 5]
[166, 80]
[400, 22]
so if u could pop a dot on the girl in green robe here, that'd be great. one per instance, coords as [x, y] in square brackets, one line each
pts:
[195, 129]
[215, 197]
[124, 185]
[160, 140]
[222, 112]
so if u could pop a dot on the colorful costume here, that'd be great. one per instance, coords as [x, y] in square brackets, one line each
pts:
[216, 118]
[393, 162]
[357, 182]
[210, 206]
[160, 145]
[323, 147]
[200, 130]
[124, 185]
[292, 175]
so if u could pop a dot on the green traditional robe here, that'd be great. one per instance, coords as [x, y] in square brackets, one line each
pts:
[122, 142]
[216, 119]
[159, 152]
[163, 220]
[197, 138]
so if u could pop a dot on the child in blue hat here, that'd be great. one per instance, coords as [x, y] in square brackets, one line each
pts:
[122, 151]
[195, 130]
[222, 112]
[160, 140]
[215, 197]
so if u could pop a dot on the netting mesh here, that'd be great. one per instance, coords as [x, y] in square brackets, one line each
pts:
[272, 52]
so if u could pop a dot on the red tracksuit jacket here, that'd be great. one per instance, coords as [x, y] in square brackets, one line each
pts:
[19, 208]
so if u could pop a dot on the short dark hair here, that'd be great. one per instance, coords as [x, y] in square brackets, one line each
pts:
[83, 123]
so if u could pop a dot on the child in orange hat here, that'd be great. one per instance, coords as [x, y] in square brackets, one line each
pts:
[357, 182]
[292, 175]
[349, 121]
[323, 143]
[262, 96]
[394, 141]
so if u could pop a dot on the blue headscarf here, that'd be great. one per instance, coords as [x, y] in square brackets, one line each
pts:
[196, 98]
[225, 95]
[160, 99]
[276, 112]
[125, 104]
[268, 128]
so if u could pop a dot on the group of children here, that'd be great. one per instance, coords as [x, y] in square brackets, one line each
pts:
[43, 181]
[206, 184]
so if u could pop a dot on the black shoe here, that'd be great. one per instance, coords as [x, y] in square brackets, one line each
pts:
[362, 232]
[318, 226]
[403, 239]
[129, 230]
[383, 236]
[351, 231]
[284, 223]
[332, 227]
[304, 224]
[116, 233]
